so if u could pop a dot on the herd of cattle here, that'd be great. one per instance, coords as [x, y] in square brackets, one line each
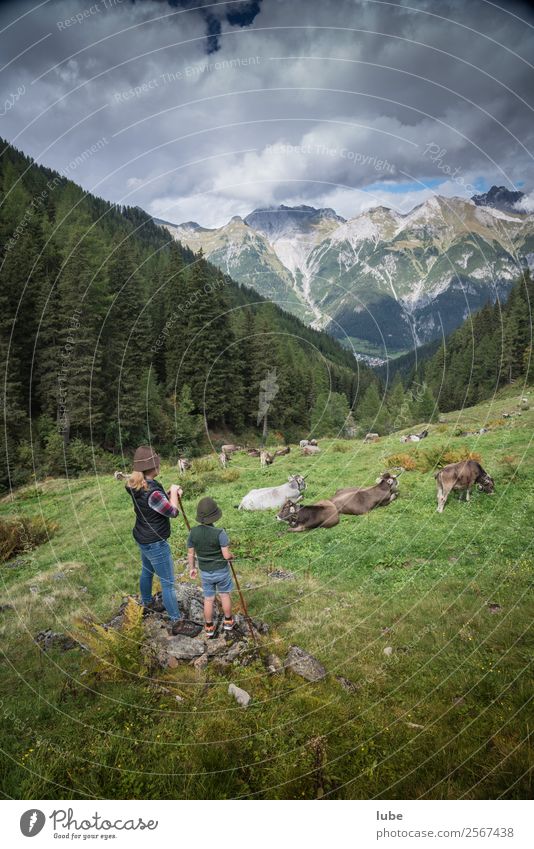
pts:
[352, 501]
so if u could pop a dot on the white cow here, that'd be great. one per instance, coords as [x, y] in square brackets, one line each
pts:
[273, 497]
[308, 450]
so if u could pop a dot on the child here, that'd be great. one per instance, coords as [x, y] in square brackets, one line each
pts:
[210, 545]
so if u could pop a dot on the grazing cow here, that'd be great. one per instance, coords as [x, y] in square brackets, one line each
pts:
[462, 476]
[183, 465]
[230, 449]
[223, 459]
[266, 459]
[371, 437]
[309, 450]
[306, 517]
[120, 476]
[272, 497]
[282, 451]
[356, 501]
[254, 452]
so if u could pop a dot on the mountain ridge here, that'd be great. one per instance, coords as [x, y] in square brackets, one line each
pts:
[388, 279]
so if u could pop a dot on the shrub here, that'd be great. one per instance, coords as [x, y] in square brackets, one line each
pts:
[23, 534]
[407, 461]
[496, 423]
[229, 475]
[79, 457]
[436, 458]
[205, 464]
[341, 447]
[116, 652]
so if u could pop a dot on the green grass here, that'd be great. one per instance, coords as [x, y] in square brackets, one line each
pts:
[447, 715]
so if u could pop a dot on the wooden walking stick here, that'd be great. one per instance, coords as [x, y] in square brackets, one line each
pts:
[241, 596]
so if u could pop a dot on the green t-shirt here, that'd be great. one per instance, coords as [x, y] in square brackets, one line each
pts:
[207, 540]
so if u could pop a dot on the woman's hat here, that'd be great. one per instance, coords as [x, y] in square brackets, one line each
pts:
[208, 511]
[145, 458]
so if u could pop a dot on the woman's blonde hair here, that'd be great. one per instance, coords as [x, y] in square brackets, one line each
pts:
[137, 480]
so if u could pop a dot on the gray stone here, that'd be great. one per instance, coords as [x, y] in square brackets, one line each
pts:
[273, 664]
[347, 685]
[304, 664]
[241, 696]
[281, 575]
[184, 648]
[49, 639]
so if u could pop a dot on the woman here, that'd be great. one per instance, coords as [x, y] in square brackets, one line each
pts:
[153, 512]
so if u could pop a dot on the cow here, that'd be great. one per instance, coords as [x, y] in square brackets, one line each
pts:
[310, 449]
[462, 476]
[183, 465]
[266, 459]
[414, 437]
[120, 476]
[306, 517]
[273, 497]
[303, 443]
[356, 501]
[230, 449]
[253, 452]
[282, 451]
[223, 459]
[371, 437]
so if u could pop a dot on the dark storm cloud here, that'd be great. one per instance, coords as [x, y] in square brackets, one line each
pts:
[210, 109]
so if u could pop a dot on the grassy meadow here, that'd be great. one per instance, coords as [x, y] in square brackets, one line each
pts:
[447, 713]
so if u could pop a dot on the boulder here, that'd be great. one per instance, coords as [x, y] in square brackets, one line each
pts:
[304, 664]
[184, 648]
[241, 696]
[49, 639]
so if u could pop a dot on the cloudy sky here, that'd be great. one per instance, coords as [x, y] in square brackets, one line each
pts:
[200, 111]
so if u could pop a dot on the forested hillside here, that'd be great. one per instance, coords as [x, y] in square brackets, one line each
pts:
[112, 333]
[491, 349]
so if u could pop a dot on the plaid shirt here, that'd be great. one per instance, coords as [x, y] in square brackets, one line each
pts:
[159, 502]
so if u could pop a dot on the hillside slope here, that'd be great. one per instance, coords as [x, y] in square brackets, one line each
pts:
[444, 714]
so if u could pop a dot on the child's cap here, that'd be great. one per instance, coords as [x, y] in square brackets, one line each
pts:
[208, 511]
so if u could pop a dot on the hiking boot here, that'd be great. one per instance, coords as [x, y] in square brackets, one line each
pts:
[229, 624]
[209, 630]
[148, 609]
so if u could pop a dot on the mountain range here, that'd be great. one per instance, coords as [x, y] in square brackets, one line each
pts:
[382, 280]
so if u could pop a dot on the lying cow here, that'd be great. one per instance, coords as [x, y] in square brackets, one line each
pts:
[462, 476]
[229, 449]
[282, 451]
[310, 449]
[183, 465]
[356, 501]
[272, 497]
[414, 437]
[305, 442]
[371, 437]
[306, 517]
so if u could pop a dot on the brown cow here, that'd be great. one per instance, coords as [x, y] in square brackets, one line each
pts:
[356, 501]
[253, 452]
[309, 450]
[282, 451]
[229, 449]
[302, 517]
[462, 476]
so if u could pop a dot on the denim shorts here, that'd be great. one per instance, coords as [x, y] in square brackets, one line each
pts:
[219, 581]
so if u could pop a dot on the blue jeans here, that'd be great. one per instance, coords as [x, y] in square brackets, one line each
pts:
[156, 557]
